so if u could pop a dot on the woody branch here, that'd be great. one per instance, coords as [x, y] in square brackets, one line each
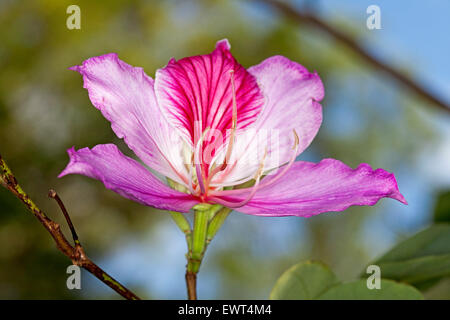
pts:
[315, 21]
[74, 252]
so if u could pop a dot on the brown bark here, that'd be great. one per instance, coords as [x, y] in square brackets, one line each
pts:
[74, 252]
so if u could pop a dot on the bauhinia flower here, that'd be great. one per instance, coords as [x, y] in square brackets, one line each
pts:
[221, 134]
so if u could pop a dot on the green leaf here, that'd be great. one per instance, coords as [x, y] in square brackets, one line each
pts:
[419, 270]
[315, 281]
[303, 281]
[434, 240]
[357, 290]
[442, 209]
[420, 260]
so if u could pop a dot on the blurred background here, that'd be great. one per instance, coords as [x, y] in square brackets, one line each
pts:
[368, 117]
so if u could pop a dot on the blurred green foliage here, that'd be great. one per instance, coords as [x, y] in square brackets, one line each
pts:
[421, 260]
[442, 210]
[314, 281]
[44, 110]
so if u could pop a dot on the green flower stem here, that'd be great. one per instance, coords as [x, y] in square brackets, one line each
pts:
[201, 218]
[183, 224]
[198, 246]
[216, 222]
[207, 221]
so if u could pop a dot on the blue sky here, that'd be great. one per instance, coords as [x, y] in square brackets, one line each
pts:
[415, 32]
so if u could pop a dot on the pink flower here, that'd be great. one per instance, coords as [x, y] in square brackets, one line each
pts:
[200, 123]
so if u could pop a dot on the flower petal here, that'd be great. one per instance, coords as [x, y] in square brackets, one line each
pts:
[127, 177]
[308, 189]
[125, 96]
[292, 96]
[195, 93]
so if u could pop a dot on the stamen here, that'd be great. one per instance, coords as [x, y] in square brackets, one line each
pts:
[198, 161]
[288, 165]
[234, 205]
[218, 183]
[191, 190]
[232, 183]
[278, 176]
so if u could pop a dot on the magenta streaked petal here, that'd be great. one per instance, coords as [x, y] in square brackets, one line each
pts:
[127, 177]
[309, 189]
[292, 96]
[198, 89]
[125, 96]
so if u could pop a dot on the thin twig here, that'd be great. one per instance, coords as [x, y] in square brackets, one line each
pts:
[315, 21]
[74, 253]
[52, 194]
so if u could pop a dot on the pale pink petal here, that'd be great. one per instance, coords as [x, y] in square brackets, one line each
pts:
[292, 96]
[195, 93]
[308, 189]
[125, 96]
[127, 177]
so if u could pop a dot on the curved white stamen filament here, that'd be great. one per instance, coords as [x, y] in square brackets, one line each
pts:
[270, 181]
[233, 182]
[286, 167]
[198, 162]
[227, 170]
[191, 190]
[234, 205]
